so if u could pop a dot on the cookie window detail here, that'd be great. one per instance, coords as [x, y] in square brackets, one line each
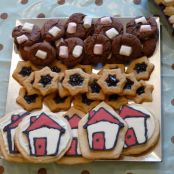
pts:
[30, 98]
[25, 71]
[76, 80]
[45, 80]
[111, 80]
[140, 67]
[95, 88]
[58, 99]
[140, 90]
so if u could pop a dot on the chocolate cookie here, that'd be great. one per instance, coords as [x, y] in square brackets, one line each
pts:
[26, 35]
[79, 25]
[71, 51]
[126, 48]
[143, 28]
[109, 26]
[24, 52]
[52, 30]
[42, 54]
[97, 48]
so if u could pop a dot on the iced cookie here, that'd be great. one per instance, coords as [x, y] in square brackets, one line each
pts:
[53, 30]
[46, 81]
[43, 137]
[26, 34]
[79, 25]
[76, 81]
[141, 68]
[23, 71]
[116, 101]
[73, 154]
[97, 48]
[108, 26]
[56, 103]
[112, 81]
[125, 48]
[71, 51]
[143, 28]
[102, 133]
[83, 103]
[143, 129]
[85, 68]
[57, 67]
[29, 102]
[42, 53]
[94, 90]
[143, 93]
[8, 126]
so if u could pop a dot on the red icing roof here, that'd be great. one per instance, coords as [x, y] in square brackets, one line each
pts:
[74, 121]
[127, 111]
[43, 121]
[102, 115]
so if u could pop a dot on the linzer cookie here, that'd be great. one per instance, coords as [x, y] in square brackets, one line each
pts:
[73, 154]
[143, 129]
[57, 67]
[71, 51]
[8, 126]
[85, 68]
[102, 133]
[43, 137]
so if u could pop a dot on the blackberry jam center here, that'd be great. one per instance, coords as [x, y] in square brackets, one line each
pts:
[113, 97]
[128, 84]
[55, 69]
[76, 80]
[140, 90]
[85, 100]
[45, 80]
[25, 71]
[112, 80]
[58, 99]
[95, 88]
[140, 67]
[30, 98]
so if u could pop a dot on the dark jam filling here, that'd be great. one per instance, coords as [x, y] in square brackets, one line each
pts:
[32, 82]
[113, 97]
[128, 84]
[140, 90]
[140, 67]
[95, 88]
[58, 99]
[30, 98]
[55, 69]
[111, 80]
[85, 100]
[25, 71]
[45, 80]
[76, 80]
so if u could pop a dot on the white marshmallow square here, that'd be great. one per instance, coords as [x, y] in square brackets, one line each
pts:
[28, 27]
[77, 51]
[41, 54]
[63, 51]
[58, 42]
[72, 27]
[145, 28]
[111, 33]
[21, 39]
[125, 50]
[98, 49]
[141, 20]
[106, 20]
[87, 22]
[54, 31]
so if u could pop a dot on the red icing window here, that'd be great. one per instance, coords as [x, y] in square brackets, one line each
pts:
[40, 146]
[130, 139]
[98, 142]
[73, 148]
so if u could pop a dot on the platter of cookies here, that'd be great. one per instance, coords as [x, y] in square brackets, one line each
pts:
[83, 89]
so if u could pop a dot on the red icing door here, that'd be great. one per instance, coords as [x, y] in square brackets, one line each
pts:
[40, 146]
[130, 139]
[73, 148]
[98, 142]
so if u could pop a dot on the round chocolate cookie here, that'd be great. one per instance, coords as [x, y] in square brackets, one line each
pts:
[143, 28]
[71, 51]
[110, 29]
[79, 25]
[97, 48]
[149, 47]
[42, 53]
[126, 48]
[53, 30]
[26, 35]
[24, 52]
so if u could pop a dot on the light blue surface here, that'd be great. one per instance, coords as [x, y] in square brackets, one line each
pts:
[50, 8]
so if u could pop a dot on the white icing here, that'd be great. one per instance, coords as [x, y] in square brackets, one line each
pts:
[28, 27]
[72, 27]
[77, 51]
[87, 22]
[145, 28]
[63, 51]
[41, 54]
[106, 20]
[111, 33]
[98, 49]
[141, 20]
[125, 50]
[110, 129]
[21, 39]
[54, 31]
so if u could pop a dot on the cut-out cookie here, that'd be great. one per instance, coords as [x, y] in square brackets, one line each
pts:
[8, 125]
[57, 67]
[43, 137]
[143, 131]
[102, 133]
[73, 155]
[85, 68]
